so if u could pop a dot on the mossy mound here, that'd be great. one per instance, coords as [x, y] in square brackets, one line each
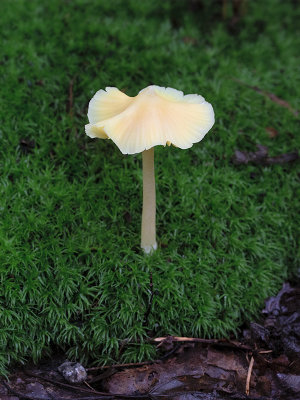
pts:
[72, 274]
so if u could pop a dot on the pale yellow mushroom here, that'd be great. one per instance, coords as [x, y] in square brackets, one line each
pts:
[156, 116]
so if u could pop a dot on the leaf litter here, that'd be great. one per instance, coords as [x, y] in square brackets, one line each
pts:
[261, 157]
[272, 132]
[263, 364]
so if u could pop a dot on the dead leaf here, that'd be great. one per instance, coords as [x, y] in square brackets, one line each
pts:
[226, 360]
[244, 157]
[260, 157]
[40, 82]
[283, 158]
[26, 145]
[281, 360]
[272, 132]
[127, 217]
[272, 304]
[259, 333]
[290, 382]
[189, 40]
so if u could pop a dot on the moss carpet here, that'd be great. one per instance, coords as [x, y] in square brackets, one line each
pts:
[72, 273]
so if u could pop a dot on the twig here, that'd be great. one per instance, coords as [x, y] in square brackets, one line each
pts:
[80, 389]
[106, 374]
[249, 376]
[124, 365]
[66, 385]
[89, 386]
[218, 342]
[271, 96]
[150, 396]
[169, 353]
[138, 364]
[70, 99]
[186, 339]
[160, 340]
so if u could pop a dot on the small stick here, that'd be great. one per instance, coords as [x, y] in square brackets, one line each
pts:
[249, 376]
[271, 96]
[169, 353]
[160, 340]
[70, 100]
[124, 365]
[89, 386]
[106, 374]
[80, 389]
[222, 342]
[54, 382]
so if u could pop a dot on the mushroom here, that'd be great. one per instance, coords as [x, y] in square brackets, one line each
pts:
[156, 116]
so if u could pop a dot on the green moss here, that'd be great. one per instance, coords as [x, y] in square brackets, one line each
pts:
[72, 274]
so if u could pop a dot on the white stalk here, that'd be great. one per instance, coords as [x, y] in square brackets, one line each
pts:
[148, 242]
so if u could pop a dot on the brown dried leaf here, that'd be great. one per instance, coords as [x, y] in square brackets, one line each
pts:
[226, 360]
[26, 145]
[195, 369]
[39, 82]
[283, 158]
[260, 157]
[127, 217]
[272, 132]
[245, 157]
[189, 40]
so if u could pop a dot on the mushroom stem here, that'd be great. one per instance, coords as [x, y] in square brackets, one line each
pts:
[148, 242]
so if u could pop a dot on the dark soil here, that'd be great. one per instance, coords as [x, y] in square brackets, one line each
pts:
[263, 364]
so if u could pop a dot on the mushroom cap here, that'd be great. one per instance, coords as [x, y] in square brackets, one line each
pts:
[156, 116]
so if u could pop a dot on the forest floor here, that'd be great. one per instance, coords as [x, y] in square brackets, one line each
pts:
[263, 364]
